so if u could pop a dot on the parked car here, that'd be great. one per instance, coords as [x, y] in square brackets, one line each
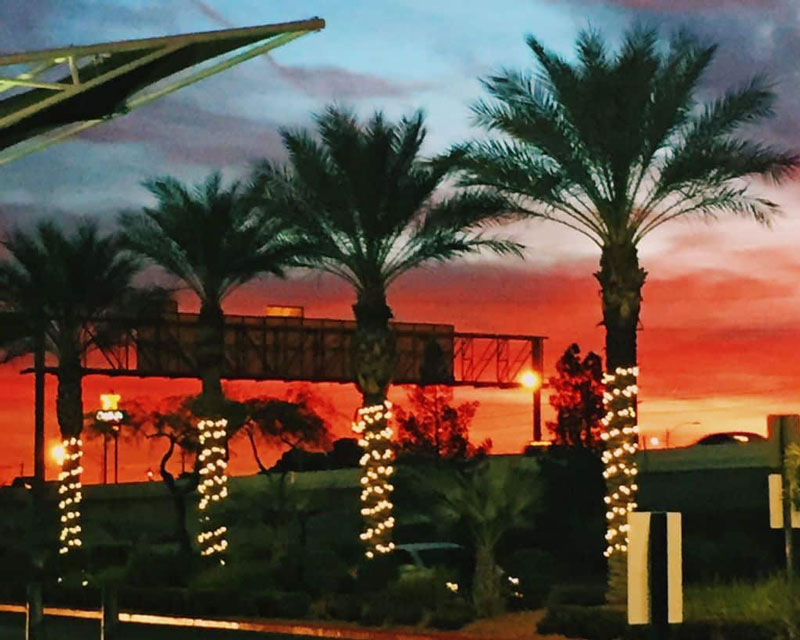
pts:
[424, 557]
[731, 437]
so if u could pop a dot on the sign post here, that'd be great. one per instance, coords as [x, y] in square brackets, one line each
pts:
[655, 572]
[779, 487]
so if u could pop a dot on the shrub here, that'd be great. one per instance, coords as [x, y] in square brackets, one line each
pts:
[324, 572]
[572, 524]
[277, 604]
[164, 600]
[591, 623]
[344, 606]
[375, 575]
[587, 595]
[213, 602]
[72, 596]
[454, 615]
[406, 611]
[376, 611]
[603, 623]
[293, 604]
[534, 568]
[150, 568]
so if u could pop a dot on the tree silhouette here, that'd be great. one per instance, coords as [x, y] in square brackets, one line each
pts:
[433, 427]
[578, 399]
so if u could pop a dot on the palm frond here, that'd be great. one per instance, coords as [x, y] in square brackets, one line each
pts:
[615, 143]
[360, 195]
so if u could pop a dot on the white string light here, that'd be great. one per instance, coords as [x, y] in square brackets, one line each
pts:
[70, 495]
[213, 486]
[621, 443]
[374, 437]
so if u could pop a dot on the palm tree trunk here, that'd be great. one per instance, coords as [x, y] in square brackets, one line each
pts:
[211, 360]
[211, 354]
[38, 409]
[486, 596]
[69, 401]
[621, 280]
[69, 409]
[373, 353]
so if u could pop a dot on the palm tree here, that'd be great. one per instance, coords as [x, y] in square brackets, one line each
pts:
[488, 503]
[213, 240]
[613, 146]
[67, 293]
[364, 200]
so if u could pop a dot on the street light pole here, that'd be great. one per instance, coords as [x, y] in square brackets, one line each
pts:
[115, 428]
[109, 413]
[105, 458]
[532, 380]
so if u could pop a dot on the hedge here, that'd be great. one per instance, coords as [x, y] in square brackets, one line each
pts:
[604, 623]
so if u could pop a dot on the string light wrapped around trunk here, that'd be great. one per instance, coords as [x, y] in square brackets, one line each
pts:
[213, 486]
[70, 495]
[375, 439]
[621, 442]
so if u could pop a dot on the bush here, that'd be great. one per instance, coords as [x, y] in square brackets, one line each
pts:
[375, 575]
[376, 611]
[72, 596]
[708, 554]
[215, 602]
[393, 607]
[572, 524]
[150, 568]
[603, 623]
[165, 600]
[324, 572]
[293, 604]
[344, 606]
[454, 615]
[591, 623]
[277, 604]
[534, 568]
[587, 595]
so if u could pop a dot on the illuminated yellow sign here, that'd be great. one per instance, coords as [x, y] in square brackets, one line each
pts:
[109, 401]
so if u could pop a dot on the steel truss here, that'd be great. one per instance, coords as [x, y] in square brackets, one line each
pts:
[55, 93]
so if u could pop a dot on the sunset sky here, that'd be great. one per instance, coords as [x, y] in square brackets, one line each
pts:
[718, 342]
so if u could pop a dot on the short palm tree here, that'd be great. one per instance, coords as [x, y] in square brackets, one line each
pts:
[213, 240]
[363, 198]
[614, 145]
[487, 503]
[67, 291]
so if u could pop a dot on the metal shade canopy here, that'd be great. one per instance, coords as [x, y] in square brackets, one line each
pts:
[56, 93]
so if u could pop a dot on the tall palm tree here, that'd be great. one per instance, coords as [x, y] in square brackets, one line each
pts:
[363, 198]
[66, 292]
[613, 146]
[213, 240]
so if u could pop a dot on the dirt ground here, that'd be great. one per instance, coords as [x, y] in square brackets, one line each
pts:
[510, 626]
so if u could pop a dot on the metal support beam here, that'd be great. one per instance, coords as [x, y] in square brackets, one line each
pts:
[54, 117]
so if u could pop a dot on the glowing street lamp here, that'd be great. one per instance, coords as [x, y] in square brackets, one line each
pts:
[110, 413]
[531, 380]
[57, 454]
